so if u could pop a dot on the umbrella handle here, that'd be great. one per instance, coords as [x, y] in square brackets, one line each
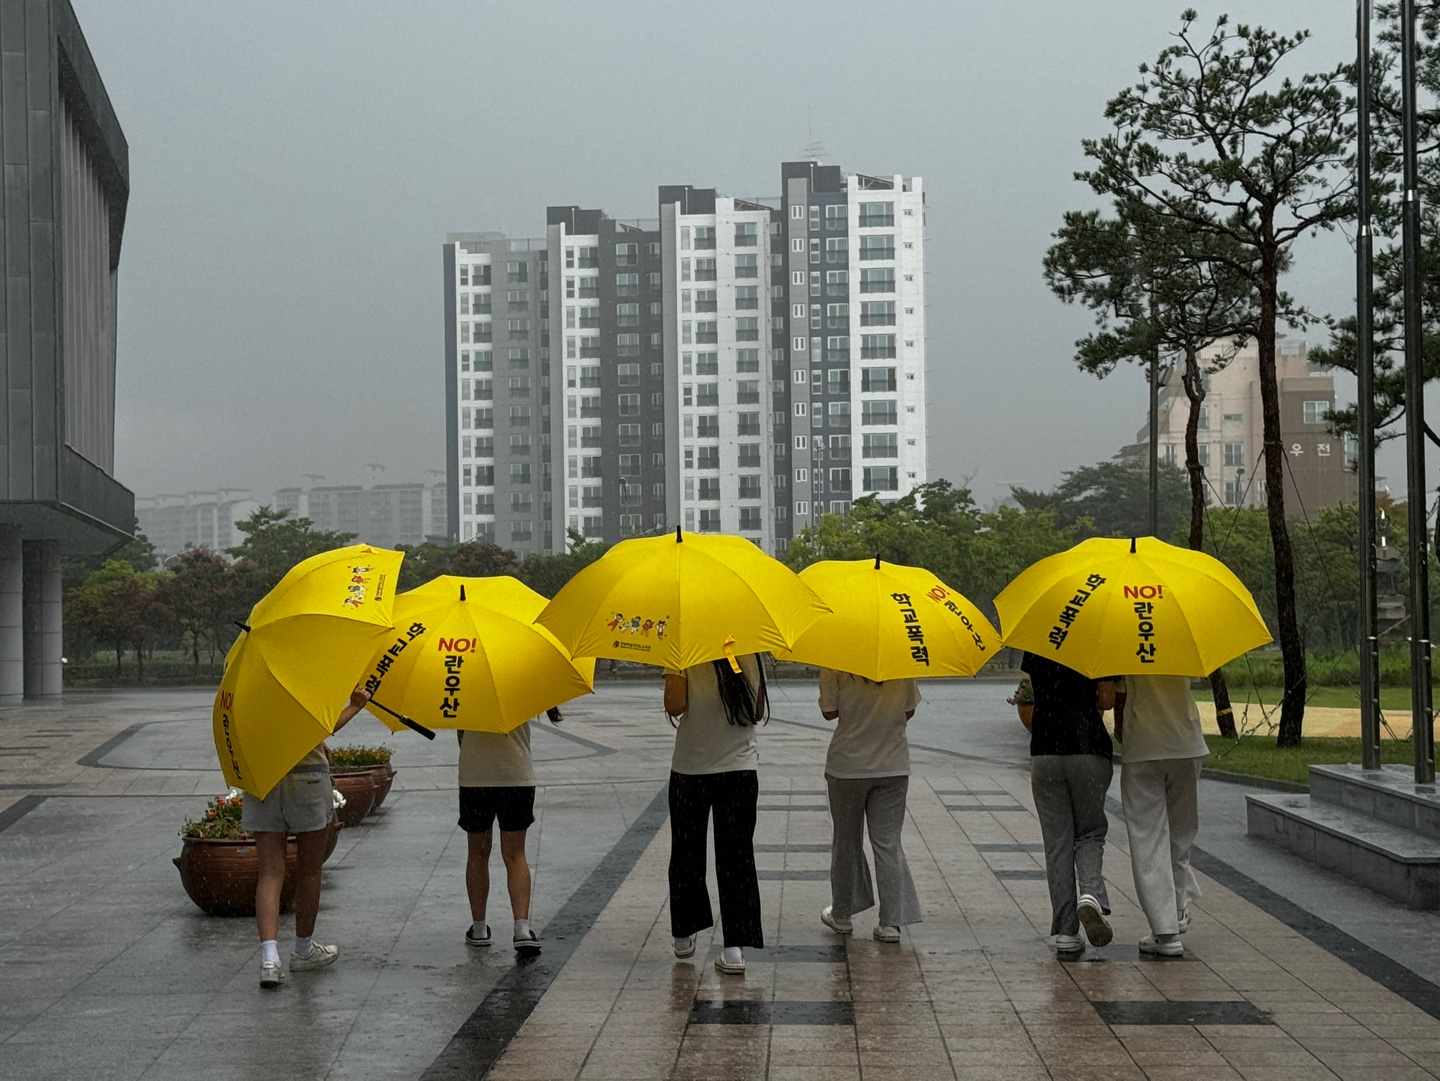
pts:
[406, 721]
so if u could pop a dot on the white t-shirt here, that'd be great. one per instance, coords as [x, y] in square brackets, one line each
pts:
[1161, 719]
[706, 741]
[869, 738]
[497, 760]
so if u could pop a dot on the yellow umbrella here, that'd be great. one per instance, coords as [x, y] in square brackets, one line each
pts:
[680, 600]
[889, 621]
[1130, 607]
[466, 653]
[301, 652]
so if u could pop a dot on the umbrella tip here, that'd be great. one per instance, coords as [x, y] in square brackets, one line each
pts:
[678, 539]
[877, 561]
[462, 591]
[1132, 546]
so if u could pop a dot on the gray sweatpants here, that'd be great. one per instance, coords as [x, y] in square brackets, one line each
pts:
[1162, 816]
[879, 804]
[1069, 792]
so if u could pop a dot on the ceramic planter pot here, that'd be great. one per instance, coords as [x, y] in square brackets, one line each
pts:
[220, 876]
[384, 778]
[358, 788]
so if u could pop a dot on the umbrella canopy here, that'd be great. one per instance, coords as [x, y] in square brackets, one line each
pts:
[466, 653]
[303, 650]
[1130, 607]
[681, 600]
[889, 621]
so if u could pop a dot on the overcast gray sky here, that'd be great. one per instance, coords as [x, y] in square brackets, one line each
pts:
[296, 165]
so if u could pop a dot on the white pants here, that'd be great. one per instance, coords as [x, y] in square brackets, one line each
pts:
[1162, 816]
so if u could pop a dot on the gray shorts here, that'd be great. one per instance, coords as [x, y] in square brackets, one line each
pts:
[300, 803]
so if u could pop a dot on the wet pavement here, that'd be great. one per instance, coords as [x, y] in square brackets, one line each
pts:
[108, 971]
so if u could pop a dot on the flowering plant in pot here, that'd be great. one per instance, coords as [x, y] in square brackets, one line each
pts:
[217, 862]
[360, 758]
[1024, 701]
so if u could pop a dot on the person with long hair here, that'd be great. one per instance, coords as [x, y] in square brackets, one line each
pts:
[497, 782]
[716, 707]
[1071, 766]
[867, 775]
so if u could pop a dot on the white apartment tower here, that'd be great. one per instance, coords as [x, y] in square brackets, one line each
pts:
[735, 366]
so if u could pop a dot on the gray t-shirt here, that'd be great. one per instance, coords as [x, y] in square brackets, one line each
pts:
[869, 738]
[497, 760]
[706, 741]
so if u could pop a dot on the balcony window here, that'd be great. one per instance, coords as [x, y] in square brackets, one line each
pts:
[747, 392]
[747, 329]
[748, 457]
[879, 412]
[704, 237]
[837, 381]
[627, 315]
[587, 258]
[747, 360]
[518, 300]
[746, 266]
[627, 345]
[707, 395]
[835, 216]
[877, 346]
[707, 457]
[590, 406]
[587, 288]
[482, 332]
[707, 427]
[627, 285]
[520, 416]
[747, 298]
[747, 234]
[709, 521]
[706, 333]
[880, 246]
[877, 215]
[589, 348]
[629, 434]
[839, 480]
[589, 377]
[627, 254]
[591, 466]
[520, 472]
[882, 478]
[518, 329]
[837, 249]
[747, 424]
[589, 317]
[705, 300]
[707, 364]
[838, 414]
[627, 375]
[590, 436]
[628, 405]
[519, 386]
[705, 270]
[517, 273]
[877, 380]
[877, 313]
[877, 280]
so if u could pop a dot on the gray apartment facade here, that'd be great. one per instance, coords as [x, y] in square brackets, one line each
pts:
[734, 365]
[65, 191]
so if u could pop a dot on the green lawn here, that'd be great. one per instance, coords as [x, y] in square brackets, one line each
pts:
[1257, 756]
[1342, 697]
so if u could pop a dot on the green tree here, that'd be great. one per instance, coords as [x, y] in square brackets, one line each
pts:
[1215, 139]
[138, 552]
[209, 597]
[123, 608]
[469, 559]
[547, 574]
[274, 542]
[1112, 498]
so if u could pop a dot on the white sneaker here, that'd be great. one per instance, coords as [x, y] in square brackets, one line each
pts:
[883, 933]
[685, 947]
[1069, 944]
[271, 975]
[318, 957]
[1162, 947]
[1097, 928]
[834, 922]
[1183, 919]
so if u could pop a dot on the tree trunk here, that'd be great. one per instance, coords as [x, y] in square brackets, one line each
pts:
[119, 658]
[1194, 384]
[1292, 648]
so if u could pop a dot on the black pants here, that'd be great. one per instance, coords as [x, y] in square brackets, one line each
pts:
[732, 796]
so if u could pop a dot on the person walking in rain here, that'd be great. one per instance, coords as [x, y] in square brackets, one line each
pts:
[300, 804]
[1159, 725]
[1070, 772]
[714, 769]
[867, 774]
[497, 782]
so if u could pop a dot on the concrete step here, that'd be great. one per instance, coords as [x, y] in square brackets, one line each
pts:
[1388, 794]
[1398, 863]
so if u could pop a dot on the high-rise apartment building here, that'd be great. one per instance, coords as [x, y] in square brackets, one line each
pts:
[704, 369]
[1318, 464]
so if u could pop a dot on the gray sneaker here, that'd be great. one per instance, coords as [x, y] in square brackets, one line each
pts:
[271, 975]
[1097, 928]
[318, 957]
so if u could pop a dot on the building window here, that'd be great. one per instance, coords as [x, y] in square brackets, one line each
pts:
[627, 375]
[877, 346]
[747, 392]
[519, 472]
[879, 412]
[747, 234]
[627, 254]
[629, 434]
[877, 280]
[628, 405]
[877, 215]
[706, 300]
[747, 360]
[877, 380]
[627, 345]
[1234, 454]
[1234, 492]
[840, 480]
[1315, 412]
[627, 285]
[517, 273]
[747, 329]
[704, 237]
[705, 270]
[1203, 418]
[839, 414]
[747, 298]
[747, 424]
[879, 246]
[706, 332]
[881, 445]
[627, 315]
[707, 457]
[707, 395]
[882, 478]
[748, 457]
[707, 364]
[877, 313]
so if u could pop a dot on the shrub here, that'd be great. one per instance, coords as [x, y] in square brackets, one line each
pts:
[359, 757]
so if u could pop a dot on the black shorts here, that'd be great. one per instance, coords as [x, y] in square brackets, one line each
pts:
[480, 807]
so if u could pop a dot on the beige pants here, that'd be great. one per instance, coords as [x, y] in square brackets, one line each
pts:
[1162, 816]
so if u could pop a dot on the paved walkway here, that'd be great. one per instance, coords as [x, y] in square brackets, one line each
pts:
[107, 971]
